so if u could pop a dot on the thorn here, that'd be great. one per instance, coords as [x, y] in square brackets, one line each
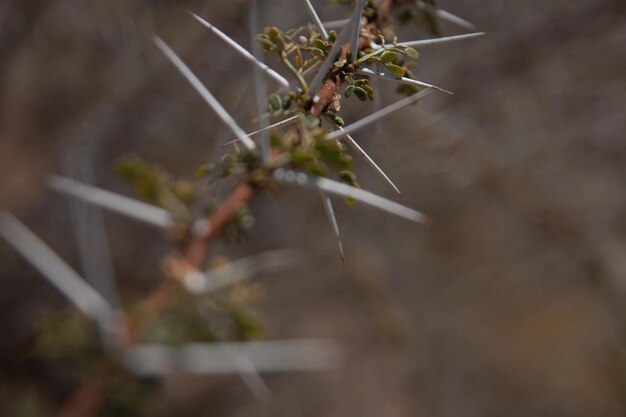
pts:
[332, 219]
[54, 269]
[242, 51]
[274, 126]
[356, 28]
[448, 17]
[385, 111]
[120, 204]
[434, 41]
[404, 80]
[335, 187]
[316, 19]
[204, 92]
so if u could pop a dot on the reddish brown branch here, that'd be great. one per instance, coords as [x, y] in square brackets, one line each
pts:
[87, 398]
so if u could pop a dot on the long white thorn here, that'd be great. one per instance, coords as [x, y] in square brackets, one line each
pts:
[204, 93]
[243, 52]
[379, 114]
[219, 358]
[403, 80]
[448, 17]
[54, 269]
[354, 145]
[356, 28]
[276, 125]
[260, 86]
[242, 270]
[332, 219]
[336, 24]
[120, 204]
[335, 187]
[436, 41]
[315, 17]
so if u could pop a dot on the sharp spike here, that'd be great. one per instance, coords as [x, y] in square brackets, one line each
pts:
[332, 219]
[379, 114]
[54, 269]
[356, 28]
[260, 87]
[435, 41]
[129, 207]
[336, 24]
[204, 92]
[404, 80]
[448, 17]
[353, 143]
[316, 19]
[217, 358]
[243, 52]
[335, 187]
[242, 270]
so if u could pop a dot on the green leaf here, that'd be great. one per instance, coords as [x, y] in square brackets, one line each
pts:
[396, 69]
[274, 34]
[411, 53]
[338, 120]
[267, 44]
[275, 102]
[360, 93]
[320, 44]
[388, 56]
[349, 90]
[340, 63]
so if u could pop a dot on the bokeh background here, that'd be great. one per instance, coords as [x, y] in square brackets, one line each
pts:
[510, 304]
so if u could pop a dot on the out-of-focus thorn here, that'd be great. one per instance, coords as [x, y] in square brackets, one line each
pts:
[335, 187]
[117, 203]
[220, 358]
[336, 24]
[242, 270]
[356, 28]
[59, 274]
[447, 16]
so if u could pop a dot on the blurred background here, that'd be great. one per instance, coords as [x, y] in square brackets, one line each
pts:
[512, 303]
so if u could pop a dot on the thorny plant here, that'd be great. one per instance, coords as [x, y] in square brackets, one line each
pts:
[307, 144]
